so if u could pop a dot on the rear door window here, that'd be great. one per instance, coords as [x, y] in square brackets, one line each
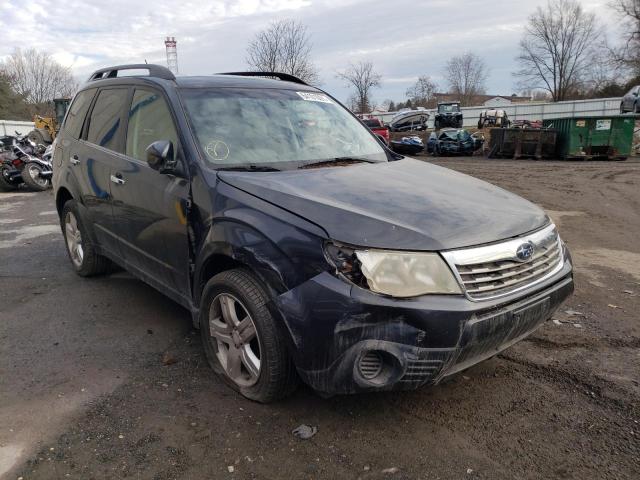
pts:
[105, 123]
[77, 112]
[149, 120]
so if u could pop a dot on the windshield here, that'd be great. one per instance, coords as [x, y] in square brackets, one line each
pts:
[448, 108]
[275, 128]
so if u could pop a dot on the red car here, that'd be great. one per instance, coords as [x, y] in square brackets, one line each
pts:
[377, 127]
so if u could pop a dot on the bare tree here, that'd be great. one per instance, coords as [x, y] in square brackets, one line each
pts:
[363, 78]
[283, 47]
[37, 77]
[422, 94]
[466, 75]
[558, 48]
[628, 55]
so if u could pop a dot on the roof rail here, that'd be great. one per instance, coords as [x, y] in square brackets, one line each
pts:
[285, 77]
[157, 71]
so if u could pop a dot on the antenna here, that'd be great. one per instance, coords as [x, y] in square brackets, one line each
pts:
[172, 54]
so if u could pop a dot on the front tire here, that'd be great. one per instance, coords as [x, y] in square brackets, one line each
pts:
[82, 253]
[241, 339]
[32, 177]
[7, 185]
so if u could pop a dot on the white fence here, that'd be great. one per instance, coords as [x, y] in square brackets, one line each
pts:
[10, 127]
[536, 111]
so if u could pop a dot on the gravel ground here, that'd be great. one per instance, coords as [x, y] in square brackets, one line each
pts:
[104, 378]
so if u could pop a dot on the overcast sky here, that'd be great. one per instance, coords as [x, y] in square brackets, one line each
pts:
[403, 38]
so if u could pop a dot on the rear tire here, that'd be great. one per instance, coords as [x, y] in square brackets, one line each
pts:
[82, 252]
[31, 177]
[636, 107]
[241, 339]
[621, 109]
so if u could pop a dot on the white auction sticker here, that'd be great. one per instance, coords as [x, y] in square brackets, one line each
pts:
[314, 97]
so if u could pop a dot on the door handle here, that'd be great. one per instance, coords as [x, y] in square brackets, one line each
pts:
[117, 179]
[74, 160]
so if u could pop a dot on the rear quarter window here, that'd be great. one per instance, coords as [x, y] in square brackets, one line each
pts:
[77, 113]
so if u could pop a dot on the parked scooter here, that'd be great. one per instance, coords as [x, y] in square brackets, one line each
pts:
[23, 165]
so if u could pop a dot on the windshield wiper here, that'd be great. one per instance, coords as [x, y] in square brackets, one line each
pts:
[250, 168]
[337, 160]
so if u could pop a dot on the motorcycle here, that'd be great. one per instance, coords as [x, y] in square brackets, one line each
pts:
[23, 165]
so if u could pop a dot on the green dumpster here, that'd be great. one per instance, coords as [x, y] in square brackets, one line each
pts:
[607, 137]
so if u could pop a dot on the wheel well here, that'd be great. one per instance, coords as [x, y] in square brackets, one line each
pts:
[62, 197]
[214, 265]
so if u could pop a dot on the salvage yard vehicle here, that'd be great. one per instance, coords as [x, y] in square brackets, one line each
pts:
[298, 258]
[493, 118]
[46, 128]
[448, 115]
[452, 141]
[631, 101]
[377, 127]
[407, 145]
[409, 121]
[23, 162]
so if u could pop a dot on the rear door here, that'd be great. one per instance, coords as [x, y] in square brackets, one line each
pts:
[96, 154]
[150, 207]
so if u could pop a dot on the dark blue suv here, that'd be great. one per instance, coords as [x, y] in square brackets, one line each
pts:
[302, 246]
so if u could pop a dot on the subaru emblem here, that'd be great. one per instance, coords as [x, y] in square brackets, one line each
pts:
[525, 251]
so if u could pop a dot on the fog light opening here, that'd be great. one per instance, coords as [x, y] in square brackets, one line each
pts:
[370, 365]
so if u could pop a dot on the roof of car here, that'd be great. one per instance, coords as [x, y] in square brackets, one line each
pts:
[160, 74]
[220, 80]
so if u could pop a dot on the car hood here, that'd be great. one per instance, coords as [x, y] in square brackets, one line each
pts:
[404, 205]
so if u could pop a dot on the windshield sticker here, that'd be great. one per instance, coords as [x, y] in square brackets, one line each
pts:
[217, 150]
[314, 97]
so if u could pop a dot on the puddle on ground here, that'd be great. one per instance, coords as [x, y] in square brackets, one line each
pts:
[23, 234]
[620, 260]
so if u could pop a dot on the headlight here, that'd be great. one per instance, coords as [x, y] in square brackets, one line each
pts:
[398, 274]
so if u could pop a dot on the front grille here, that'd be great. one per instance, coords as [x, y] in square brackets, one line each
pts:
[495, 270]
[420, 371]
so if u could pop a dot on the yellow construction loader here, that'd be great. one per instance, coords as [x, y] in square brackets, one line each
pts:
[46, 128]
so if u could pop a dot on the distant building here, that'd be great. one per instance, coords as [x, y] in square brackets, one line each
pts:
[485, 100]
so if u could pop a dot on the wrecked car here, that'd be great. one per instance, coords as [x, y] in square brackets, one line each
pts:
[298, 258]
[448, 115]
[452, 141]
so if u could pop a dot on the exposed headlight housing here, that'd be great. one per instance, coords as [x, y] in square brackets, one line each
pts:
[394, 273]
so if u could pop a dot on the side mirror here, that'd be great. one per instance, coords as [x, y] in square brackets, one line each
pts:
[160, 156]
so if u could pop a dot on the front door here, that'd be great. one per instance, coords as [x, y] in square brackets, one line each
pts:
[149, 208]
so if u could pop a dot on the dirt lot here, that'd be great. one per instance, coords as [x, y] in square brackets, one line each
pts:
[85, 393]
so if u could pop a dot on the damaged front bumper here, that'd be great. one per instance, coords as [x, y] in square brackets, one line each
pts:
[346, 339]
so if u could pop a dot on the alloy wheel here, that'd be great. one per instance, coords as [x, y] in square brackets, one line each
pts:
[74, 239]
[236, 339]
